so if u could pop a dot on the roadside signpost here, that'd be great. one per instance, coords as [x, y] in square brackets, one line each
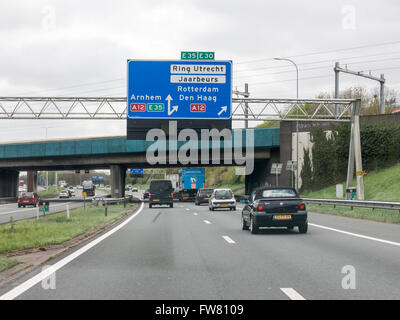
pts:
[180, 89]
[291, 166]
[44, 206]
[84, 195]
[276, 169]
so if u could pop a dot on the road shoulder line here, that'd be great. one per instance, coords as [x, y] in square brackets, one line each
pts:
[356, 235]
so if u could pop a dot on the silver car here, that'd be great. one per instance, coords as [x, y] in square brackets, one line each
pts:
[222, 199]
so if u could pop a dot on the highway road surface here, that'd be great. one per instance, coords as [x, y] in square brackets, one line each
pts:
[11, 209]
[189, 252]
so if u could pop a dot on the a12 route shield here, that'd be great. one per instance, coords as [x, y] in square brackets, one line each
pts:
[179, 89]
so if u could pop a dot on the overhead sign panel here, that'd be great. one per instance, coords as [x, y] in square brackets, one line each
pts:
[194, 55]
[179, 89]
[136, 171]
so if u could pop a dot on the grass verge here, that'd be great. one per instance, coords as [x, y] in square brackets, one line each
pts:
[381, 215]
[380, 185]
[52, 192]
[237, 189]
[56, 229]
[6, 263]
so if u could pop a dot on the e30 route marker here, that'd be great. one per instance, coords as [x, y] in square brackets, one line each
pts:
[176, 89]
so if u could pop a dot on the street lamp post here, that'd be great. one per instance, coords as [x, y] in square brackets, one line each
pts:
[297, 120]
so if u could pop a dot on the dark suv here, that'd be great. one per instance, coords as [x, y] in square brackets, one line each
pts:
[202, 196]
[161, 192]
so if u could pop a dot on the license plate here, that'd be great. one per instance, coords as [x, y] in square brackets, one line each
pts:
[224, 205]
[26, 201]
[207, 198]
[283, 217]
[156, 200]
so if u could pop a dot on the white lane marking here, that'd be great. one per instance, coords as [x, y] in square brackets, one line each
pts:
[292, 294]
[12, 294]
[195, 213]
[30, 209]
[356, 235]
[187, 209]
[228, 239]
[207, 222]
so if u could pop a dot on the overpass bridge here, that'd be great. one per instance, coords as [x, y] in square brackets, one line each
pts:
[118, 154]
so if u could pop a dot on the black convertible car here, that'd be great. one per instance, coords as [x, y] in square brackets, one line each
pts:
[274, 207]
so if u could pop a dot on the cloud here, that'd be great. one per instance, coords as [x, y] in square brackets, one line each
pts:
[57, 44]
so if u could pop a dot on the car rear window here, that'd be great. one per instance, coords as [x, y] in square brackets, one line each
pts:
[26, 195]
[160, 185]
[206, 191]
[223, 194]
[279, 193]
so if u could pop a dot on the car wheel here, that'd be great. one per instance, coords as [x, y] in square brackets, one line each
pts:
[150, 205]
[19, 206]
[290, 228]
[212, 208]
[209, 209]
[234, 209]
[244, 224]
[171, 205]
[253, 228]
[303, 228]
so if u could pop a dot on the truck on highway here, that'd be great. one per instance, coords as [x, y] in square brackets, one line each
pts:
[190, 180]
[89, 187]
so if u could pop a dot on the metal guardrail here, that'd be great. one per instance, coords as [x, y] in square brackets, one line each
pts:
[9, 199]
[356, 203]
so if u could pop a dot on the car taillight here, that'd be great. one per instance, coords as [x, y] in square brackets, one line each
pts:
[149, 195]
[260, 207]
[172, 195]
[302, 206]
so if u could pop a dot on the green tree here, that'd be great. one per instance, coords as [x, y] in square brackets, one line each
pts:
[306, 172]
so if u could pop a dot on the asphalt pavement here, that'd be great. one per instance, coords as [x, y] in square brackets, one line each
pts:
[11, 209]
[189, 252]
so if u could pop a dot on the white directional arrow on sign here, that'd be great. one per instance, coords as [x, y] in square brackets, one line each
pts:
[223, 109]
[174, 108]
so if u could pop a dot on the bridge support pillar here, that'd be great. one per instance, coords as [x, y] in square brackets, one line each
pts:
[118, 174]
[31, 181]
[260, 176]
[9, 183]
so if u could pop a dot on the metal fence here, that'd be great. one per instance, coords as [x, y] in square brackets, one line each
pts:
[356, 203]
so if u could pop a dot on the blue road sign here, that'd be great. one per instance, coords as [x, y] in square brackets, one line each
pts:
[188, 89]
[136, 171]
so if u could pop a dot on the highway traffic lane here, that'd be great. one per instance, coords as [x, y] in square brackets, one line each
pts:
[12, 210]
[388, 231]
[312, 263]
[30, 212]
[162, 254]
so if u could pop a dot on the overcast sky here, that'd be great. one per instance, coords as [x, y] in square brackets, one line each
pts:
[80, 48]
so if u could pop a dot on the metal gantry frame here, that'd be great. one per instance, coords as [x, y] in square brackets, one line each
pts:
[248, 109]
[115, 108]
